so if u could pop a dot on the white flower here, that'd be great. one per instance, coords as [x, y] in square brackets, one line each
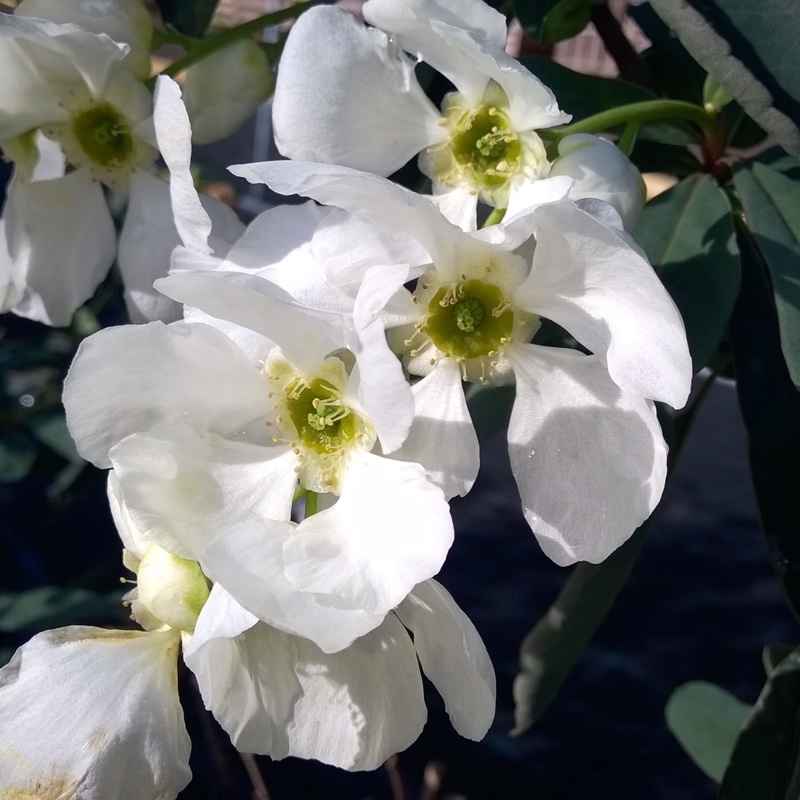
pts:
[586, 449]
[482, 144]
[209, 442]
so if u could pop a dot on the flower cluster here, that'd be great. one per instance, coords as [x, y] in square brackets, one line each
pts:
[281, 458]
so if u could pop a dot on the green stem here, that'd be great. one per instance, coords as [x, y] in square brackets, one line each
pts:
[495, 217]
[202, 48]
[627, 141]
[645, 111]
[311, 504]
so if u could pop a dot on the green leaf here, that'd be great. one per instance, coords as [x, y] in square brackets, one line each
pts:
[764, 763]
[550, 21]
[53, 606]
[770, 405]
[50, 428]
[189, 17]
[706, 719]
[584, 95]
[549, 652]
[751, 50]
[771, 202]
[688, 235]
[18, 453]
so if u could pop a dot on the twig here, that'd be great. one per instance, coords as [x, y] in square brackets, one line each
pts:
[396, 782]
[254, 773]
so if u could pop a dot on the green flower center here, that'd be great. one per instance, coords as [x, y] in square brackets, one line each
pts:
[485, 147]
[323, 423]
[470, 320]
[104, 135]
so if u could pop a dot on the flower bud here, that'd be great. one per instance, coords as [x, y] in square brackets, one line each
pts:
[222, 91]
[172, 589]
[600, 171]
[125, 21]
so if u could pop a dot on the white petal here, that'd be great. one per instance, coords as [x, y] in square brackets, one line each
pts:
[344, 95]
[249, 684]
[526, 195]
[148, 240]
[124, 380]
[131, 536]
[390, 530]
[181, 489]
[94, 714]
[459, 207]
[587, 279]
[589, 460]
[453, 657]
[39, 62]
[174, 135]
[247, 559]
[62, 241]
[383, 390]
[305, 335]
[361, 705]
[442, 436]
[382, 201]
[412, 17]
[146, 243]
[125, 21]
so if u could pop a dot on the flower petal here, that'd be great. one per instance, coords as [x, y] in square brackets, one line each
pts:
[589, 460]
[390, 529]
[385, 203]
[588, 280]
[247, 559]
[361, 705]
[181, 489]
[248, 683]
[374, 116]
[124, 380]
[453, 657]
[174, 136]
[442, 437]
[305, 335]
[93, 713]
[62, 242]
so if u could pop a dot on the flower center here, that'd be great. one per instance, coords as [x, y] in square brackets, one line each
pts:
[312, 417]
[323, 423]
[469, 320]
[485, 147]
[104, 135]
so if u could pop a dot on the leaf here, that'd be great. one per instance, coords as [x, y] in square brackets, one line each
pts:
[18, 453]
[715, 97]
[50, 428]
[688, 235]
[771, 204]
[773, 654]
[556, 642]
[583, 95]
[705, 719]
[550, 21]
[770, 406]
[189, 17]
[751, 50]
[53, 606]
[763, 764]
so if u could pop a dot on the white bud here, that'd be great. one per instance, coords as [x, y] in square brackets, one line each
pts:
[172, 589]
[600, 171]
[222, 91]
